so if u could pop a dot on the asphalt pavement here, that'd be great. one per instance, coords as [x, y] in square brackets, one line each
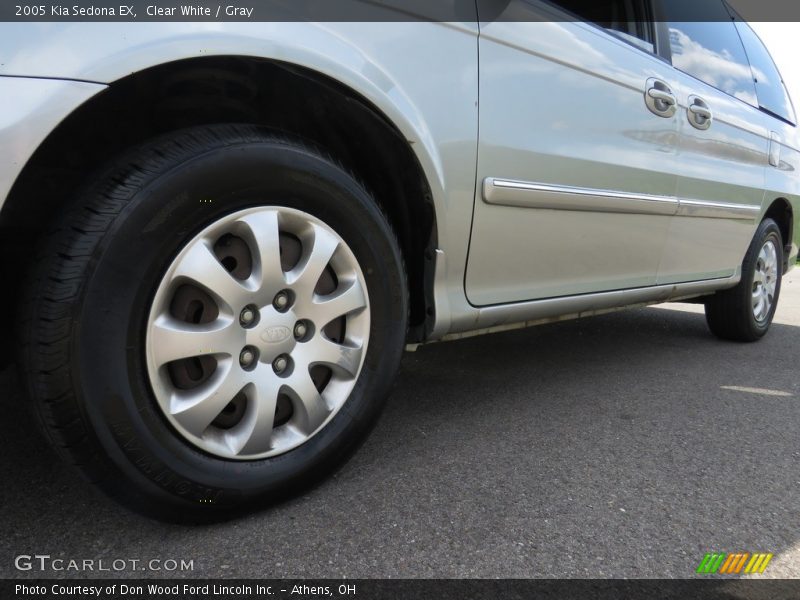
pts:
[624, 445]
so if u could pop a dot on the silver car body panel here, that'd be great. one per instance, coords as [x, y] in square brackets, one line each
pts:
[429, 91]
[563, 104]
[725, 163]
[524, 314]
[29, 110]
[562, 112]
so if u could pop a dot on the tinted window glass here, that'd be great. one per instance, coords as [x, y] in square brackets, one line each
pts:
[769, 85]
[713, 53]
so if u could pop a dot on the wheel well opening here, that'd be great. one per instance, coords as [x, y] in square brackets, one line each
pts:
[780, 211]
[210, 90]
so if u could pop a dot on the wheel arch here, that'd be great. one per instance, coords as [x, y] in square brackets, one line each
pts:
[283, 96]
[780, 211]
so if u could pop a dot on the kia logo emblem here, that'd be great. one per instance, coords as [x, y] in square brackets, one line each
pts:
[273, 335]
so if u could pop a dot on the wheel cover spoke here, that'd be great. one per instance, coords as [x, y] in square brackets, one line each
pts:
[201, 267]
[254, 433]
[249, 385]
[325, 309]
[343, 360]
[196, 409]
[262, 228]
[174, 339]
[305, 276]
[310, 408]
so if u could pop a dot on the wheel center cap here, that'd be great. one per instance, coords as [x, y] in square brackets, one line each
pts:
[274, 335]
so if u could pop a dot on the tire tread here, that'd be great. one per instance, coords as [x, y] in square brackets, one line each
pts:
[729, 312]
[53, 289]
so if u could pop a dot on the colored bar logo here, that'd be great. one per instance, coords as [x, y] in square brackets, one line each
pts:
[732, 564]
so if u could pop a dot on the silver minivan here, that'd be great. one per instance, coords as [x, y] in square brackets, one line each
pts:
[225, 236]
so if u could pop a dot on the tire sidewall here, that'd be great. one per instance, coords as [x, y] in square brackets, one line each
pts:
[164, 214]
[767, 230]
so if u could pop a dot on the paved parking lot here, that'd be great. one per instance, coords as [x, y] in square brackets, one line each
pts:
[623, 445]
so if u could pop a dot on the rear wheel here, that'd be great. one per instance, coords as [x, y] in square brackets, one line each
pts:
[744, 313]
[217, 322]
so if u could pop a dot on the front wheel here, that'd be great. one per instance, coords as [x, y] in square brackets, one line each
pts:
[217, 322]
[744, 313]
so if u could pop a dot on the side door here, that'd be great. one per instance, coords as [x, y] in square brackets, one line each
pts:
[576, 174]
[723, 147]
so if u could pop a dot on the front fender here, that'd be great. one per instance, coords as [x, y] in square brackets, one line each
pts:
[423, 77]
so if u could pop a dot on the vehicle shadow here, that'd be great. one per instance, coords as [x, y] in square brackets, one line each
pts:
[624, 445]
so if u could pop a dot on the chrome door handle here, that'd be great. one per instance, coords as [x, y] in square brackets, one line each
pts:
[700, 116]
[664, 97]
[659, 98]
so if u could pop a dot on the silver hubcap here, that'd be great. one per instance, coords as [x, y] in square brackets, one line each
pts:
[765, 280]
[257, 333]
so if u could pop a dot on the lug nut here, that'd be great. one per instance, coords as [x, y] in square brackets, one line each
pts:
[279, 364]
[281, 300]
[247, 357]
[247, 317]
[300, 330]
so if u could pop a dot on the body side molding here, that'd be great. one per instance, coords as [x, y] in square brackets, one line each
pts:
[523, 194]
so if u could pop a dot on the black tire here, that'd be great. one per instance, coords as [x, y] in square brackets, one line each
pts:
[729, 313]
[85, 311]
